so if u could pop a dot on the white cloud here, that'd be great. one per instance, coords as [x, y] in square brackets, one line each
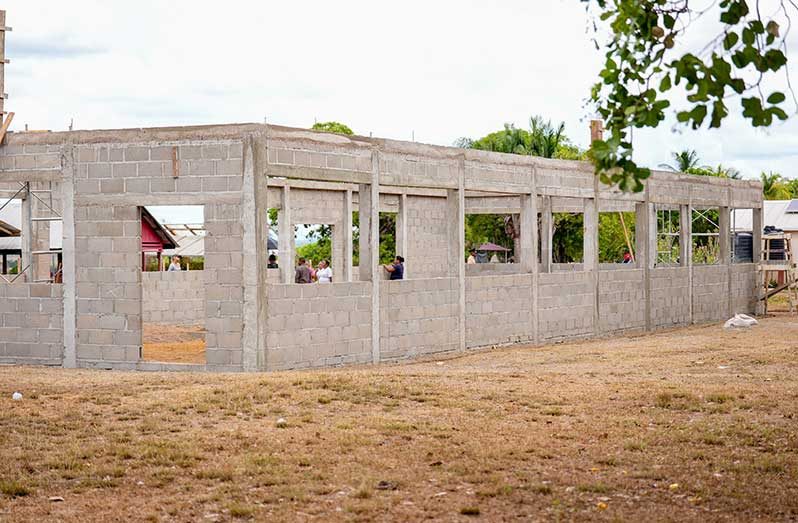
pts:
[438, 70]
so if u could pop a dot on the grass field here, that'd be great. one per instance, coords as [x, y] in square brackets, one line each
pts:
[690, 425]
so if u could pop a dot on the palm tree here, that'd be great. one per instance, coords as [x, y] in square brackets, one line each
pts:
[684, 161]
[546, 138]
[774, 187]
[728, 172]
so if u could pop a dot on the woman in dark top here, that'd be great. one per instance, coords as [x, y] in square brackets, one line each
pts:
[396, 269]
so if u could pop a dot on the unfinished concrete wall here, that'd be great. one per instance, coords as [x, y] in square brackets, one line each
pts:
[670, 296]
[710, 293]
[318, 325]
[566, 302]
[106, 176]
[224, 291]
[622, 296]
[743, 288]
[418, 316]
[499, 310]
[108, 283]
[176, 298]
[428, 248]
[31, 323]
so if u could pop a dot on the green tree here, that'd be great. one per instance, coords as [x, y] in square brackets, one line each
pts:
[612, 240]
[332, 127]
[683, 161]
[745, 50]
[774, 187]
[792, 186]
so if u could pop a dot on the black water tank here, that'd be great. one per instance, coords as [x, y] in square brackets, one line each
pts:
[743, 247]
[777, 248]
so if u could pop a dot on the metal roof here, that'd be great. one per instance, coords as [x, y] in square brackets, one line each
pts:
[775, 214]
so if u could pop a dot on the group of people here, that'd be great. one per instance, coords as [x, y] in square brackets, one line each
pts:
[305, 273]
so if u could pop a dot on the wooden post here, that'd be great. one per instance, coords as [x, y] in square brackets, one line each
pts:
[596, 130]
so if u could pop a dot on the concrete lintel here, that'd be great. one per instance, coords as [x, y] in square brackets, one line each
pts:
[317, 174]
[31, 175]
[231, 197]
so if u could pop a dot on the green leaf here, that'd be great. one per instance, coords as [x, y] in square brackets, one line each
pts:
[776, 98]
[730, 40]
[665, 84]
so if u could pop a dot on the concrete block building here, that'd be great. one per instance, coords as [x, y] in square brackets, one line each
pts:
[256, 319]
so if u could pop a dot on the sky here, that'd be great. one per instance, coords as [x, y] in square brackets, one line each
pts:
[428, 71]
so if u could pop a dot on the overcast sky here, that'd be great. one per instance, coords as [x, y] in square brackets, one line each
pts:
[435, 71]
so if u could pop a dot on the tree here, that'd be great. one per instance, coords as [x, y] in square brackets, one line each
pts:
[683, 161]
[642, 65]
[542, 139]
[774, 186]
[332, 127]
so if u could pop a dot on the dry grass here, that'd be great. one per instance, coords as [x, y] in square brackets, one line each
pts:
[692, 425]
[174, 343]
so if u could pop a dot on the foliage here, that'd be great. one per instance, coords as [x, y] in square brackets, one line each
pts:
[332, 127]
[775, 187]
[542, 139]
[318, 250]
[482, 228]
[642, 65]
[567, 244]
[683, 161]
[612, 241]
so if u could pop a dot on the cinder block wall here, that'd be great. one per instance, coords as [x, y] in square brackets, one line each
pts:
[565, 304]
[710, 293]
[108, 285]
[176, 298]
[418, 316]
[31, 323]
[743, 288]
[427, 245]
[318, 325]
[670, 296]
[499, 309]
[622, 296]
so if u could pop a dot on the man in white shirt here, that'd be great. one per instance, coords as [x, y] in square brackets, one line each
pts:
[324, 272]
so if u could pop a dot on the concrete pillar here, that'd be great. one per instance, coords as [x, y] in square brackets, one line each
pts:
[529, 232]
[371, 262]
[401, 229]
[337, 252]
[346, 275]
[724, 235]
[40, 232]
[546, 230]
[645, 230]
[686, 249]
[250, 358]
[364, 226]
[285, 242]
[68, 256]
[756, 225]
[455, 199]
[260, 163]
[590, 251]
[685, 235]
[26, 235]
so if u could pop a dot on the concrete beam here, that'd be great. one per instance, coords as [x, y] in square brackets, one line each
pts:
[124, 200]
[31, 175]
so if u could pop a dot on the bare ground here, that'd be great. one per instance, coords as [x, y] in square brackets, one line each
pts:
[690, 425]
[174, 343]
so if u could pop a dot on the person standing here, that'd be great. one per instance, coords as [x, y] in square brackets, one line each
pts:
[396, 269]
[272, 262]
[302, 274]
[174, 265]
[472, 257]
[324, 273]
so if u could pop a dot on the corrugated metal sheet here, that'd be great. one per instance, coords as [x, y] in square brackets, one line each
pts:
[775, 214]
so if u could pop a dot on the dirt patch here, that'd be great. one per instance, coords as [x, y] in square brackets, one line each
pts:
[174, 343]
[698, 424]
